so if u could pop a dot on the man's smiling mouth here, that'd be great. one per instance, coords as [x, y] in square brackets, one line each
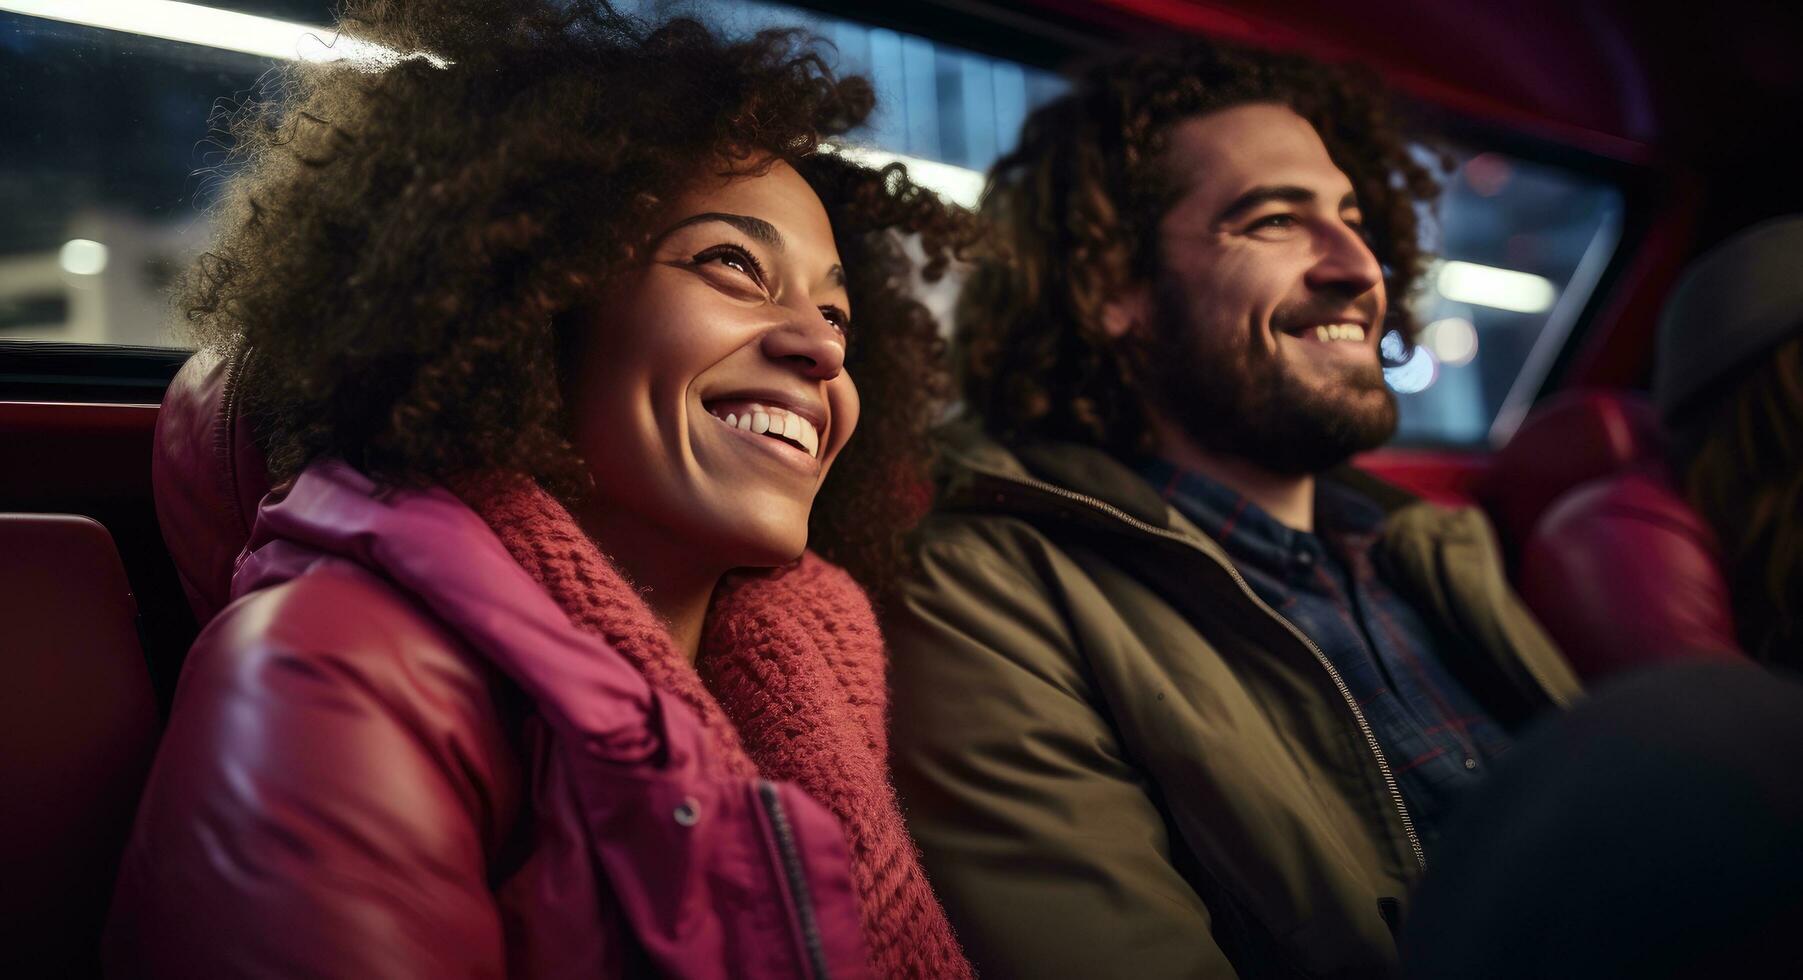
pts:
[767, 420]
[1329, 333]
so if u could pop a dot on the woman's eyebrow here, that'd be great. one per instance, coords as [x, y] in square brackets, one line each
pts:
[757, 229]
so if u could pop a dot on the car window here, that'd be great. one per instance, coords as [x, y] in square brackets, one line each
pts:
[107, 173]
[947, 112]
[1521, 247]
[105, 178]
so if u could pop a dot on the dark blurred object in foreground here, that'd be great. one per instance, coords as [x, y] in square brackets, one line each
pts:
[1653, 832]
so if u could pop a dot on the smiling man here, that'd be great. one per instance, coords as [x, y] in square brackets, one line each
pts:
[1177, 693]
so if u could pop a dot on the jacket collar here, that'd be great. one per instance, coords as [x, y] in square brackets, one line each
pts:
[971, 460]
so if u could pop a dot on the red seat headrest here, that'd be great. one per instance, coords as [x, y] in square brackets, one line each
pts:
[1624, 574]
[209, 476]
[1571, 439]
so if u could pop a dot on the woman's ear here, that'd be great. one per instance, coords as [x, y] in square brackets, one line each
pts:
[1126, 312]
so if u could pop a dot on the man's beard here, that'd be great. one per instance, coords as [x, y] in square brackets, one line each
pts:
[1234, 399]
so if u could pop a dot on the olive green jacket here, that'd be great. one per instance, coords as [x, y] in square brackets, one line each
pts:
[1119, 762]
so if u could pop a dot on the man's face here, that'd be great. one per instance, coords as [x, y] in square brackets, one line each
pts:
[1259, 336]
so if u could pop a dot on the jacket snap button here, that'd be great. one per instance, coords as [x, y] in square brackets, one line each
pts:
[688, 812]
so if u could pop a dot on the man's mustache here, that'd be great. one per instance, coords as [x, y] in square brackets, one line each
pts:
[1326, 310]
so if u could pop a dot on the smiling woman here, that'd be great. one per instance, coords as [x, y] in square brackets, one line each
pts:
[717, 333]
[558, 375]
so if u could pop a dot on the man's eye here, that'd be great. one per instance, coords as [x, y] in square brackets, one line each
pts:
[1274, 221]
[837, 317]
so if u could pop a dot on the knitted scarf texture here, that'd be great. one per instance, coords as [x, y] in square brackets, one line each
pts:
[789, 685]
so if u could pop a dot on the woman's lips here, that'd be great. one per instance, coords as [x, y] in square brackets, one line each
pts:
[783, 427]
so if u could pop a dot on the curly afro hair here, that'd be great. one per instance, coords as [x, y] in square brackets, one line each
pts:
[406, 248]
[1076, 208]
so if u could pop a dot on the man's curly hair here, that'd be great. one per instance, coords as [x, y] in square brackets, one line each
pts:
[1076, 207]
[406, 251]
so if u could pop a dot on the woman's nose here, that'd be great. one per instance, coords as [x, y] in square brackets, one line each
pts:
[809, 342]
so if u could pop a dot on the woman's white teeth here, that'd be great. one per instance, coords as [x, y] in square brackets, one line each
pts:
[1340, 331]
[780, 424]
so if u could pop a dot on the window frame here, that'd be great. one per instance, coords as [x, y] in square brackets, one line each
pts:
[69, 372]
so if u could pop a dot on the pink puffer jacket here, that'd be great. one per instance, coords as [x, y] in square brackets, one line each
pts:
[393, 755]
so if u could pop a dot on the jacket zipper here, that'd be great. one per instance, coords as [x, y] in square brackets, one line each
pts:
[813, 950]
[1339, 683]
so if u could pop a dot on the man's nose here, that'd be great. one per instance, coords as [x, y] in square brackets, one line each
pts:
[1345, 261]
[809, 342]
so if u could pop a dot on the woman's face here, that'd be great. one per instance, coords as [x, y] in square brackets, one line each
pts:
[709, 396]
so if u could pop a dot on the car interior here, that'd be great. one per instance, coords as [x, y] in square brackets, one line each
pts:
[1590, 150]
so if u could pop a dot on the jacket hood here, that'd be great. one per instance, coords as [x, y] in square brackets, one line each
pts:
[435, 548]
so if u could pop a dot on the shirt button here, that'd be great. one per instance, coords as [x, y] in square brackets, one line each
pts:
[1304, 558]
[1471, 763]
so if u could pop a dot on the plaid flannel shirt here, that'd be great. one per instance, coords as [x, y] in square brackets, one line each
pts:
[1439, 741]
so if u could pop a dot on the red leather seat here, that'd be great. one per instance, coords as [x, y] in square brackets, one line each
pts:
[1617, 566]
[78, 722]
[1568, 440]
[78, 716]
[1623, 574]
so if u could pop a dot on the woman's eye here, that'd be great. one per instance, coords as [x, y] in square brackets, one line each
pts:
[735, 258]
[837, 317]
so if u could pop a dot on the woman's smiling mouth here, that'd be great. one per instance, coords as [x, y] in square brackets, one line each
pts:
[781, 426]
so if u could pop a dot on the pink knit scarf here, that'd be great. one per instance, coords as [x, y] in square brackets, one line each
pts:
[790, 686]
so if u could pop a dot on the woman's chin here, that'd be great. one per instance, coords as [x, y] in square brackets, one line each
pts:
[760, 537]
[762, 545]
[770, 554]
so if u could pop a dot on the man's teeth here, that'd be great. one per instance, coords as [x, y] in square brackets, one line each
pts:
[1340, 331]
[776, 422]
